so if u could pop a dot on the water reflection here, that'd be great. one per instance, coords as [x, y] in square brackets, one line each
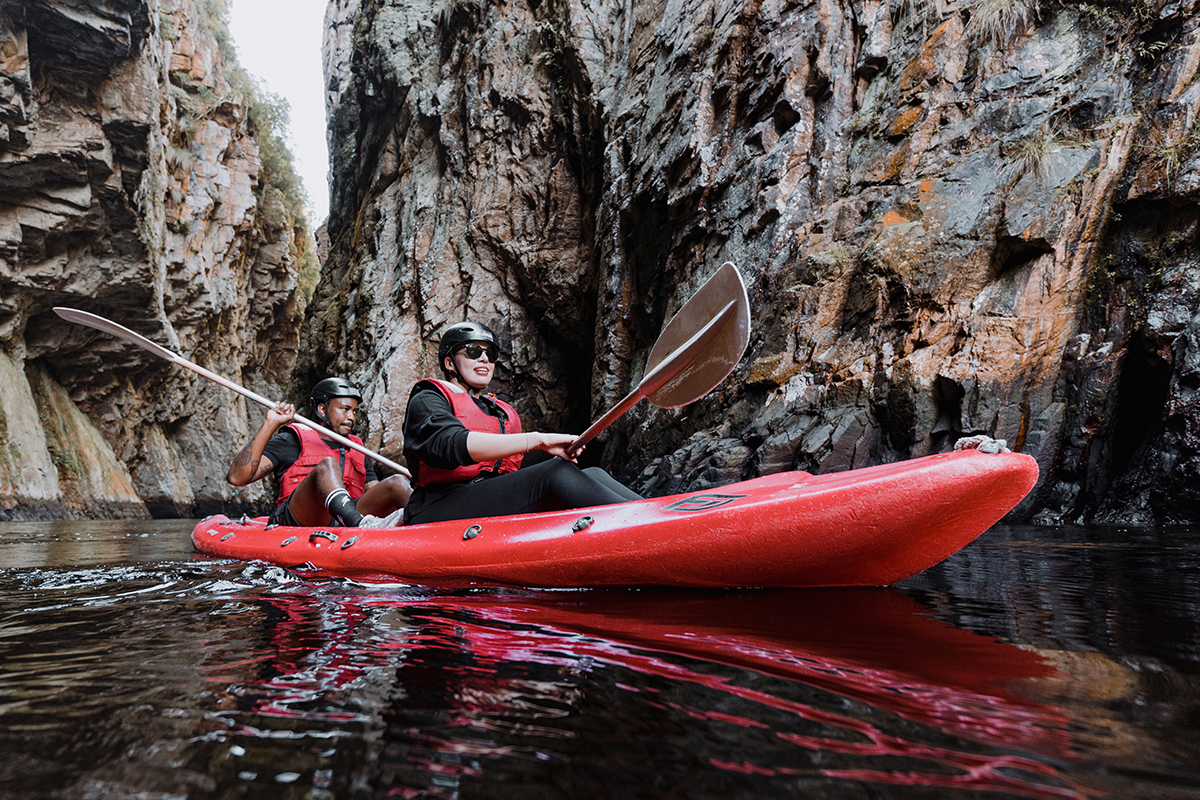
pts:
[200, 678]
[1119, 591]
[1117, 612]
[845, 652]
[75, 543]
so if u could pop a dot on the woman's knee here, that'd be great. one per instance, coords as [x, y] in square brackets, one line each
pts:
[559, 466]
[559, 473]
[603, 478]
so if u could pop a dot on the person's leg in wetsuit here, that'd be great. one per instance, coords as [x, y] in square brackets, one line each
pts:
[554, 483]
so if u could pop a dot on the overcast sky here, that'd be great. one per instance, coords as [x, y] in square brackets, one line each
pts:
[279, 42]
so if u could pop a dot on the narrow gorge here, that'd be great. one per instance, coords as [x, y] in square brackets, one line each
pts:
[953, 218]
[140, 179]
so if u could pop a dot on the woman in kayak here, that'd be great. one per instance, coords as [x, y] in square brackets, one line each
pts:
[465, 447]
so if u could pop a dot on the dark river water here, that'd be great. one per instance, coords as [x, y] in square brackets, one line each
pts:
[1038, 663]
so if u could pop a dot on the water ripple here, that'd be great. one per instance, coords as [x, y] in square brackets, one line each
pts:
[1019, 668]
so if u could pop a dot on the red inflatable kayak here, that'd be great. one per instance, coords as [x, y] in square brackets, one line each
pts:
[865, 527]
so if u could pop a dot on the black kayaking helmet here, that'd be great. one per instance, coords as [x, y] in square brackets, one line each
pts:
[330, 388]
[461, 333]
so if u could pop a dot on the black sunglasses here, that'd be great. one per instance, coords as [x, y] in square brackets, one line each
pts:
[474, 351]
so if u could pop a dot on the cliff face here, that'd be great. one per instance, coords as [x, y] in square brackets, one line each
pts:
[131, 186]
[952, 219]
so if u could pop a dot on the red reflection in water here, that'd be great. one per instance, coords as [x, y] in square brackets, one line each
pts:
[877, 647]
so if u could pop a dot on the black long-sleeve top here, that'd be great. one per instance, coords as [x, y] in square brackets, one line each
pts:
[434, 435]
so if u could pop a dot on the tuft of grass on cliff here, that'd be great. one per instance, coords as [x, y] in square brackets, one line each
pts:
[270, 116]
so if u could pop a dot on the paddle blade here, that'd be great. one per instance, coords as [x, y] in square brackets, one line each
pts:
[110, 327]
[718, 358]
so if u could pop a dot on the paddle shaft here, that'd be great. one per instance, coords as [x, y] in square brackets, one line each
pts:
[268, 403]
[658, 377]
[121, 332]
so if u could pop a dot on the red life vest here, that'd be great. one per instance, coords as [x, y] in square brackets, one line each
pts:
[473, 418]
[312, 450]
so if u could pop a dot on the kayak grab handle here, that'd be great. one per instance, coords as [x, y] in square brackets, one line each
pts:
[333, 537]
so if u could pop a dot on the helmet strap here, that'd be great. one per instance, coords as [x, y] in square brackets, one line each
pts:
[321, 416]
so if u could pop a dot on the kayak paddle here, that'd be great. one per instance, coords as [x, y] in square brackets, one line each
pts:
[697, 350]
[121, 332]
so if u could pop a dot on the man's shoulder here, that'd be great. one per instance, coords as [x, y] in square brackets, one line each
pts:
[282, 449]
[286, 433]
[286, 438]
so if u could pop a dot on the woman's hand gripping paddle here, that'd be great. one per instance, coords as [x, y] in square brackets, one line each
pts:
[697, 350]
[121, 332]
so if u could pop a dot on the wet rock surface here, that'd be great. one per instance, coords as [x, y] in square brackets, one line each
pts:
[953, 219]
[130, 186]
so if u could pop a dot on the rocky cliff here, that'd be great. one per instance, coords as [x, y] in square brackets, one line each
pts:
[953, 218]
[132, 185]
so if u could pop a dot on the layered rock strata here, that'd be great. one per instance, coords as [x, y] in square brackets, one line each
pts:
[953, 219]
[131, 186]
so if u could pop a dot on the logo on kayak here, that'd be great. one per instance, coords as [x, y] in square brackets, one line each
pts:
[703, 502]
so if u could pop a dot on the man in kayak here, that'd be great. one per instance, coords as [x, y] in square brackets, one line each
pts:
[465, 447]
[320, 481]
